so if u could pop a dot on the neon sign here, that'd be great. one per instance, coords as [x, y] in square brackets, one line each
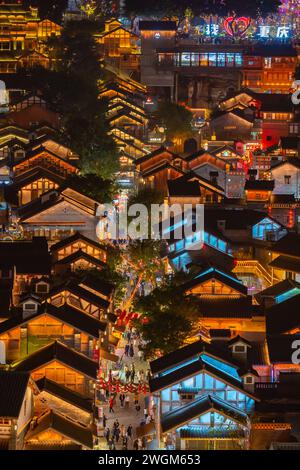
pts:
[240, 27]
[280, 32]
[237, 26]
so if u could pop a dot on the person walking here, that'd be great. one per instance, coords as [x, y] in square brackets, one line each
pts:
[111, 444]
[116, 424]
[124, 443]
[107, 434]
[140, 354]
[129, 431]
[117, 434]
[138, 408]
[136, 445]
[126, 349]
[104, 421]
[128, 375]
[122, 398]
[131, 351]
[127, 401]
[111, 405]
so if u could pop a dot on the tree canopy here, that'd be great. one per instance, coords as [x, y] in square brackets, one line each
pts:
[52, 10]
[72, 89]
[176, 118]
[91, 185]
[167, 317]
[202, 7]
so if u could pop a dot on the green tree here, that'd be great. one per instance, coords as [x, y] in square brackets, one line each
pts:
[143, 258]
[99, 189]
[168, 316]
[163, 332]
[72, 89]
[176, 118]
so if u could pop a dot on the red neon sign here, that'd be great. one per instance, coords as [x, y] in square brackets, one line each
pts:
[236, 26]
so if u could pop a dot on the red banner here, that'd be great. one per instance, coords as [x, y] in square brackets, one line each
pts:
[118, 387]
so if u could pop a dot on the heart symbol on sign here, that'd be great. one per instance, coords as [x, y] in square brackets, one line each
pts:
[236, 26]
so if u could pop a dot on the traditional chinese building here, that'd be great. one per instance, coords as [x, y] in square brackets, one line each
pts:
[23, 37]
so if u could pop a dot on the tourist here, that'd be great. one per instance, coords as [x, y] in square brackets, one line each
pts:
[138, 408]
[136, 445]
[122, 398]
[117, 434]
[111, 405]
[124, 443]
[140, 354]
[107, 434]
[128, 375]
[129, 431]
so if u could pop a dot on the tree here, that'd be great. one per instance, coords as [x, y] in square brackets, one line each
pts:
[176, 118]
[171, 8]
[97, 8]
[101, 190]
[163, 333]
[72, 89]
[168, 316]
[144, 261]
[51, 10]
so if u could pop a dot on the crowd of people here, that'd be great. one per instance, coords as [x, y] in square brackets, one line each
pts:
[130, 372]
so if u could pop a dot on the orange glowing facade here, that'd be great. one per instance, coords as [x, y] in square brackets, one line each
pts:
[119, 46]
[23, 36]
[270, 74]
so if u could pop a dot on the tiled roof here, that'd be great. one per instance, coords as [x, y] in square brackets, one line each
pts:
[260, 185]
[217, 274]
[280, 348]
[78, 255]
[77, 236]
[65, 426]
[157, 25]
[65, 394]
[190, 411]
[284, 316]
[60, 352]
[159, 383]
[287, 263]
[226, 307]
[183, 188]
[13, 387]
[206, 432]
[29, 257]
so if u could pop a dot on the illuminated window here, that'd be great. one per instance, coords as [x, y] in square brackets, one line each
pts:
[230, 60]
[212, 59]
[185, 59]
[221, 59]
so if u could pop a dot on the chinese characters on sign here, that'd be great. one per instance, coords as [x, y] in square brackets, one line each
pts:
[241, 26]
